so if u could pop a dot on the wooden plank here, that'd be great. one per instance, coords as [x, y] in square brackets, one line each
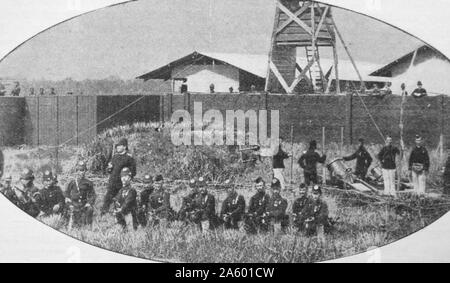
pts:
[294, 17]
[303, 74]
[320, 25]
[279, 77]
[290, 20]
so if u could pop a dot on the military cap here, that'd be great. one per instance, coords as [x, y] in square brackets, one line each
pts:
[81, 166]
[27, 174]
[418, 138]
[159, 178]
[313, 144]
[125, 172]
[276, 184]
[419, 83]
[259, 180]
[361, 140]
[147, 179]
[192, 183]
[201, 182]
[317, 190]
[47, 176]
[123, 142]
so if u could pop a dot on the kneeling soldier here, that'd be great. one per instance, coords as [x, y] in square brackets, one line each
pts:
[298, 206]
[188, 207]
[52, 197]
[80, 198]
[316, 215]
[256, 219]
[233, 209]
[29, 195]
[160, 208]
[276, 210]
[125, 202]
[8, 191]
[206, 207]
[144, 200]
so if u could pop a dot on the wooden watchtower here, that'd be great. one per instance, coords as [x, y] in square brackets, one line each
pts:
[302, 29]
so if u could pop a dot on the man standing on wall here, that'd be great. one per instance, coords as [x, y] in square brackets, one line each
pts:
[419, 91]
[278, 165]
[16, 90]
[122, 159]
[387, 157]
[419, 165]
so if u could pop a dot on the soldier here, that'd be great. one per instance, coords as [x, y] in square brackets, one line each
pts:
[419, 165]
[233, 209]
[8, 191]
[446, 175]
[125, 201]
[52, 197]
[276, 209]
[256, 219]
[160, 208]
[29, 195]
[206, 206]
[80, 198]
[144, 201]
[119, 161]
[308, 162]
[315, 215]
[419, 91]
[387, 157]
[278, 165]
[363, 160]
[41, 91]
[189, 207]
[2, 163]
[16, 90]
[298, 206]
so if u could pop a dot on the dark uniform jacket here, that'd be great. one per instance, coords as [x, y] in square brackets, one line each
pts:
[387, 157]
[258, 204]
[120, 161]
[144, 198]
[81, 192]
[234, 206]
[308, 161]
[50, 197]
[29, 199]
[278, 159]
[160, 203]
[299, 204]
[2, 164]
[316, 212]
[207, 206]
[363, 160]
[419, 92]
[420, 155]
[447, 173]
[126, 199]
[277, 207]
[10, 194]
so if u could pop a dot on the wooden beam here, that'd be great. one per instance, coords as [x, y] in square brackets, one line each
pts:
[276, 20]
[324, 16]
[303, 74]
[297, 14]
[279, 77]
[294, 17]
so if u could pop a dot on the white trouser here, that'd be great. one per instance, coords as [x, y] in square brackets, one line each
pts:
[389, 182]
[419, 181]
[278, 174]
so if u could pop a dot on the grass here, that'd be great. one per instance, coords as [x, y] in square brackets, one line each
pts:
[363, 223]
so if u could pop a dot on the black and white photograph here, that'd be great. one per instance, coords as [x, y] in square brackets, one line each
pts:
[207, 131]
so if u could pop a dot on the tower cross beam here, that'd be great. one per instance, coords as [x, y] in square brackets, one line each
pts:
[294, 18]
[296, 14]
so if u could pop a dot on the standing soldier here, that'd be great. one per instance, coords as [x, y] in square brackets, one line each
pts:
[188, 207]
[121, 160]
[363, 160]
[206, 204]
[144, 201]
[298, 207]
[125, 201]
[2, 163]
[308, 162]
[160, 208]
[80, 198]
[52, 197]
[16, 90]
[446, 175]
[419, 165]
[276, 209]
[278, 165]
[8, 191]
[233, 208]
[256, 219]
[387, 157]
[315, 215]
[29, 196]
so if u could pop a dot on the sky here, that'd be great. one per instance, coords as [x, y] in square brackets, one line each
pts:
[131, 39]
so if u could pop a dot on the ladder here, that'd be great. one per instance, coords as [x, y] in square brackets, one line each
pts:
[315, 72]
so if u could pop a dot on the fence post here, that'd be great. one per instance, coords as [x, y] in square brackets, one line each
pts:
[161, 109]
[169, 106]
[349, 118]
[187, 102]
[77, 123]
